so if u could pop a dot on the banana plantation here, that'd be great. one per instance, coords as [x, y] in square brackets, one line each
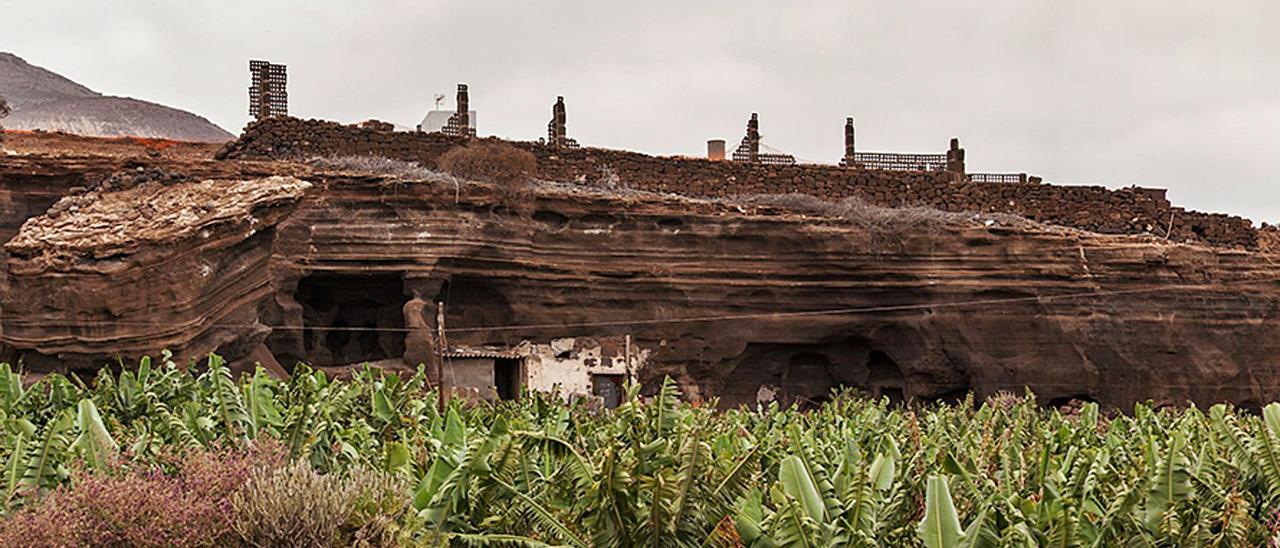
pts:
[653, 472]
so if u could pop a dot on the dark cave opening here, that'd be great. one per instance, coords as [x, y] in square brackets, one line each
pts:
[1071, 401]
[809, 374]
[885, 378]
[474, 302]
[352, 318]
[808, 379]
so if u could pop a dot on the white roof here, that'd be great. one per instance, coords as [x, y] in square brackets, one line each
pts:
[436, 120]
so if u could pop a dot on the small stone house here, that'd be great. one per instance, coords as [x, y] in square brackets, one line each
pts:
[572, 367]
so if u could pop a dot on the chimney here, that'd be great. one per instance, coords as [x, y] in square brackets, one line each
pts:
[556, 134]
[848, 141]
[464, 106]
[715, 149]
[955, 158]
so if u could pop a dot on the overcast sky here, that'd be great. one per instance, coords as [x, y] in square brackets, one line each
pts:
[1166, 93]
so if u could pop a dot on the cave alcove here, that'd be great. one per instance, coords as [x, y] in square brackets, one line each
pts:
[352, 318]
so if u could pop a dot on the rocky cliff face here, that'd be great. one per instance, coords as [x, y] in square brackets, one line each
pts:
[742, 300]
[123, 270]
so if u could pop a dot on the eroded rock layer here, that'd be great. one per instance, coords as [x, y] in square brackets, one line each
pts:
[1166, 322]
[121, 272]
[743, 301]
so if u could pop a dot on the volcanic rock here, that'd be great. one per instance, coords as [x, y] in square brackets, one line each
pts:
[120, 272]
[741, 300]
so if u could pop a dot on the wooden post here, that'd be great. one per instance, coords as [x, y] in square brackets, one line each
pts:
[439, 356]
[626, 357]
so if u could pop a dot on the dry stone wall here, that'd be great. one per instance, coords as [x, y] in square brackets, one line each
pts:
[1131, 210]
[1269, 238]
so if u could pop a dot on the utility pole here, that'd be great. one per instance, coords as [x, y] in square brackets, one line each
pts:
[439, 356]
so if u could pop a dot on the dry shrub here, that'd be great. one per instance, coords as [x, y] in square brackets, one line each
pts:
[375, 165]
[493, 162]
[144, 506]
[887, 226]
[297, 506]
[1004, 400]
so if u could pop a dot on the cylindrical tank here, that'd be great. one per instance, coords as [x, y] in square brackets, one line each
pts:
[715, 149]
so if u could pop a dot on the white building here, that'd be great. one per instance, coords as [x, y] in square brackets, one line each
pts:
[572, 367]
[436, 120]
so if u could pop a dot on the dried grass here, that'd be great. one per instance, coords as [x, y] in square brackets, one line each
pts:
[376, 165]
[493, 162]
[607, 179]
[887, 225]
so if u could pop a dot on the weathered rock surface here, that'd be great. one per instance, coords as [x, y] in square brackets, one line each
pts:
[158, 264]
[731, 300]
[1174, 322]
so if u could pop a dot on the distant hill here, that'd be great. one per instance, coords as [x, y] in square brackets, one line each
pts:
[42, 99]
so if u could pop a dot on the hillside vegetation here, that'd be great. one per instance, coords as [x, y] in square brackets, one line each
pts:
[159, 455]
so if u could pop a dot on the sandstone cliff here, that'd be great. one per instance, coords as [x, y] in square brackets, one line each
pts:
[733, 298]
[121, 272]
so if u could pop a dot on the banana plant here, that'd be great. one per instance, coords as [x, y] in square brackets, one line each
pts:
[660, 472]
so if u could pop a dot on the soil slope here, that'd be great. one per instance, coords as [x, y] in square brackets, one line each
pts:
[44, 100]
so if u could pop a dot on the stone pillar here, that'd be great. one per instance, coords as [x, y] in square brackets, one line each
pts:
[419, 343]
[4, 111]
[848, 142]
[419, 321]
[753, 139]
[464, 108]
[556, 128]
[459, 123]
[955, 158]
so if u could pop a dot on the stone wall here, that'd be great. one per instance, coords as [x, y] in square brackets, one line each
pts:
[1131, 210]
[1269, 238]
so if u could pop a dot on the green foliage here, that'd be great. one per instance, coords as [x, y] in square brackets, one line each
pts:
[658, 472]
[940, 527]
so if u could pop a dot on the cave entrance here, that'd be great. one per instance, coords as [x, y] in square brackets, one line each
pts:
[885, 378]
[474, 302]
[808, 374]
[808, 378]
[352, 318]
